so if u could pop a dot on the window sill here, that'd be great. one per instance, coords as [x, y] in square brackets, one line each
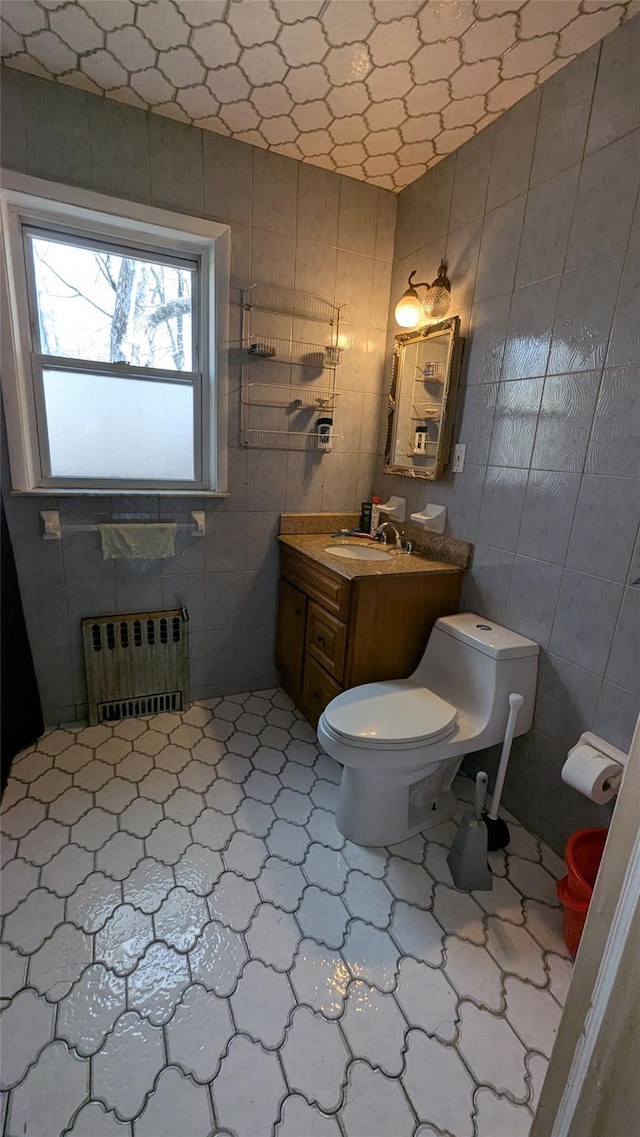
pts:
[55, 493]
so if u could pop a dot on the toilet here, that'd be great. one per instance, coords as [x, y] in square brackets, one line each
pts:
[401, 742]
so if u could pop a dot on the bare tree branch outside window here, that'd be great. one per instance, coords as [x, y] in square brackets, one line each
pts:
[105, 307]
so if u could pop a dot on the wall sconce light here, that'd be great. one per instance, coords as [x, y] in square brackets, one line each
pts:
[410, 309]
[436, 302]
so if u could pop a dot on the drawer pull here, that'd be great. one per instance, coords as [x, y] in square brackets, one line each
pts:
[316, 695]
[298, 611]
[321, 640]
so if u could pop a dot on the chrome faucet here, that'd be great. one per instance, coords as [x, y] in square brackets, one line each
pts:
[383, 536]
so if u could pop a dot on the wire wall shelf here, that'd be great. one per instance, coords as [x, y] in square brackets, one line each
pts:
[292, 398]
[420, 412]
[288, 440]
[431, 372]
[257, 420]
[424, 450]
[322, 357]
[290, 302]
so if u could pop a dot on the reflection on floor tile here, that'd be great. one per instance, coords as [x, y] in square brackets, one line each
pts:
[190, 945]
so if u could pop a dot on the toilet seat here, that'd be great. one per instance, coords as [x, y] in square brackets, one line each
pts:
[397, 714]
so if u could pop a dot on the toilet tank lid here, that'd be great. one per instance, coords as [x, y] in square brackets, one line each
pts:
[486, 636]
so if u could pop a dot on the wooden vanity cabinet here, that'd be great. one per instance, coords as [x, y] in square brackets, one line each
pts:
[335, 633]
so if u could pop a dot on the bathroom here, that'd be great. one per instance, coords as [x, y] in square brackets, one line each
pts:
[134, 1019]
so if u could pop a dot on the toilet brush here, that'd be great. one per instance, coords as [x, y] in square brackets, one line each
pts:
[498, 835]
[467, 857]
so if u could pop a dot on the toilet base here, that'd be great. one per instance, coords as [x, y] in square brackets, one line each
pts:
[374, 810]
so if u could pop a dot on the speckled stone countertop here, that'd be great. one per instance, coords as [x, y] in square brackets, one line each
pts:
[430, 547]
[314, 546]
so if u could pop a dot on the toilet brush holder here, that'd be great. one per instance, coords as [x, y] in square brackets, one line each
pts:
[467, 857]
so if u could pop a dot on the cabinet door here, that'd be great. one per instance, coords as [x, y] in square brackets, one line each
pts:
[319, 690]
[292, 624]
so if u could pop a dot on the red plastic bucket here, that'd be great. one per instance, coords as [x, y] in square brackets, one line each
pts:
[582, 856]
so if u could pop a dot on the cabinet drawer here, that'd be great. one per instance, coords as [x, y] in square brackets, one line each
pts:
[326, 640]
[329, 589]
[319, 689]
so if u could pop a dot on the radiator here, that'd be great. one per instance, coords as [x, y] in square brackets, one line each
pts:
[136, 664]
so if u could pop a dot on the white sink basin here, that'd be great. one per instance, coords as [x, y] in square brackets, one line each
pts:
[358, 553]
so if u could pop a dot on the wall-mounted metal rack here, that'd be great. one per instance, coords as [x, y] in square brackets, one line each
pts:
[302, 385]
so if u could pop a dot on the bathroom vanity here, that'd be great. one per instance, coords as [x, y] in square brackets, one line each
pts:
[344, 621]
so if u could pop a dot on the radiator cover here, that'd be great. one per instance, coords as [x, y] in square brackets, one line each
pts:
[136, 664]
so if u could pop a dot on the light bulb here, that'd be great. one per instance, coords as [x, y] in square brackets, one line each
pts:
[409, 311]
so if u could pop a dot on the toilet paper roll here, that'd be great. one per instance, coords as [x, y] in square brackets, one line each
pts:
[589, 772]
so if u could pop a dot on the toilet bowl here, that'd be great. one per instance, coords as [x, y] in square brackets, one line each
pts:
[401, 742]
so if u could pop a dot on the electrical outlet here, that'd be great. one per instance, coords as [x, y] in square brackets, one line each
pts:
[459, 454]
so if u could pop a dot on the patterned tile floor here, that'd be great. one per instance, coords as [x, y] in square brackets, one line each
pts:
[189, 947]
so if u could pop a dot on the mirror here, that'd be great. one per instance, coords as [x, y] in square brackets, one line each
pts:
[424, 385]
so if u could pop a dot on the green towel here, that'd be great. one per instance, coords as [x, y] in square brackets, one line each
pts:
[146, 542]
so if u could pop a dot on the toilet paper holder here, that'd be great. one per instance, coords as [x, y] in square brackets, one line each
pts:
[606, 750]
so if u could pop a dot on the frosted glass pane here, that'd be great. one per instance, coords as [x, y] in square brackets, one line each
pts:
[96, 305]
[104, 426]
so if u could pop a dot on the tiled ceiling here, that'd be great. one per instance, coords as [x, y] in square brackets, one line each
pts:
[379, 90]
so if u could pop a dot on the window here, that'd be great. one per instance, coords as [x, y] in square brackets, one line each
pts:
[116, 376]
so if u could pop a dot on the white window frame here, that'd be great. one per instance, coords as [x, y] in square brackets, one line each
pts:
[28, 201]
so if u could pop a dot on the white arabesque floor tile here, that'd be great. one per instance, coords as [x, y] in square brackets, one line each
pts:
[198, 1033]
[323, 916]
[492, 1051]
[438, 1084]
[249, 1087]
[560, 971]
[314, 1058]
[533, 880]
[533, 1014]
[181, 911]
[13, 967]
[537, 1067]
[374, 1027]
[262, 1003]
[47, 1099]
[28, 1021]
[175, 1098]
[325, 867]
[281, 883]
[93, 1120]
[320, 978]
[297, 1117]
[157, 983]
[368, 898]
[217, 958]
[515, 951]
[89, 1011]
[375, 1104]
[473, 973]
[427, 999]
[498, 1117]
[273, 937]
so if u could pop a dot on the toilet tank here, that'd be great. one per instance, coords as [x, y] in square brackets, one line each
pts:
[476, 664]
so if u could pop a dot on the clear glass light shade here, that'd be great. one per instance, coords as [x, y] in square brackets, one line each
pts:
[409, 311]
[438, 298]
[437, 301]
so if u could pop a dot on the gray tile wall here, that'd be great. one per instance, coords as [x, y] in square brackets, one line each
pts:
[293, 225]
[539, 219]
